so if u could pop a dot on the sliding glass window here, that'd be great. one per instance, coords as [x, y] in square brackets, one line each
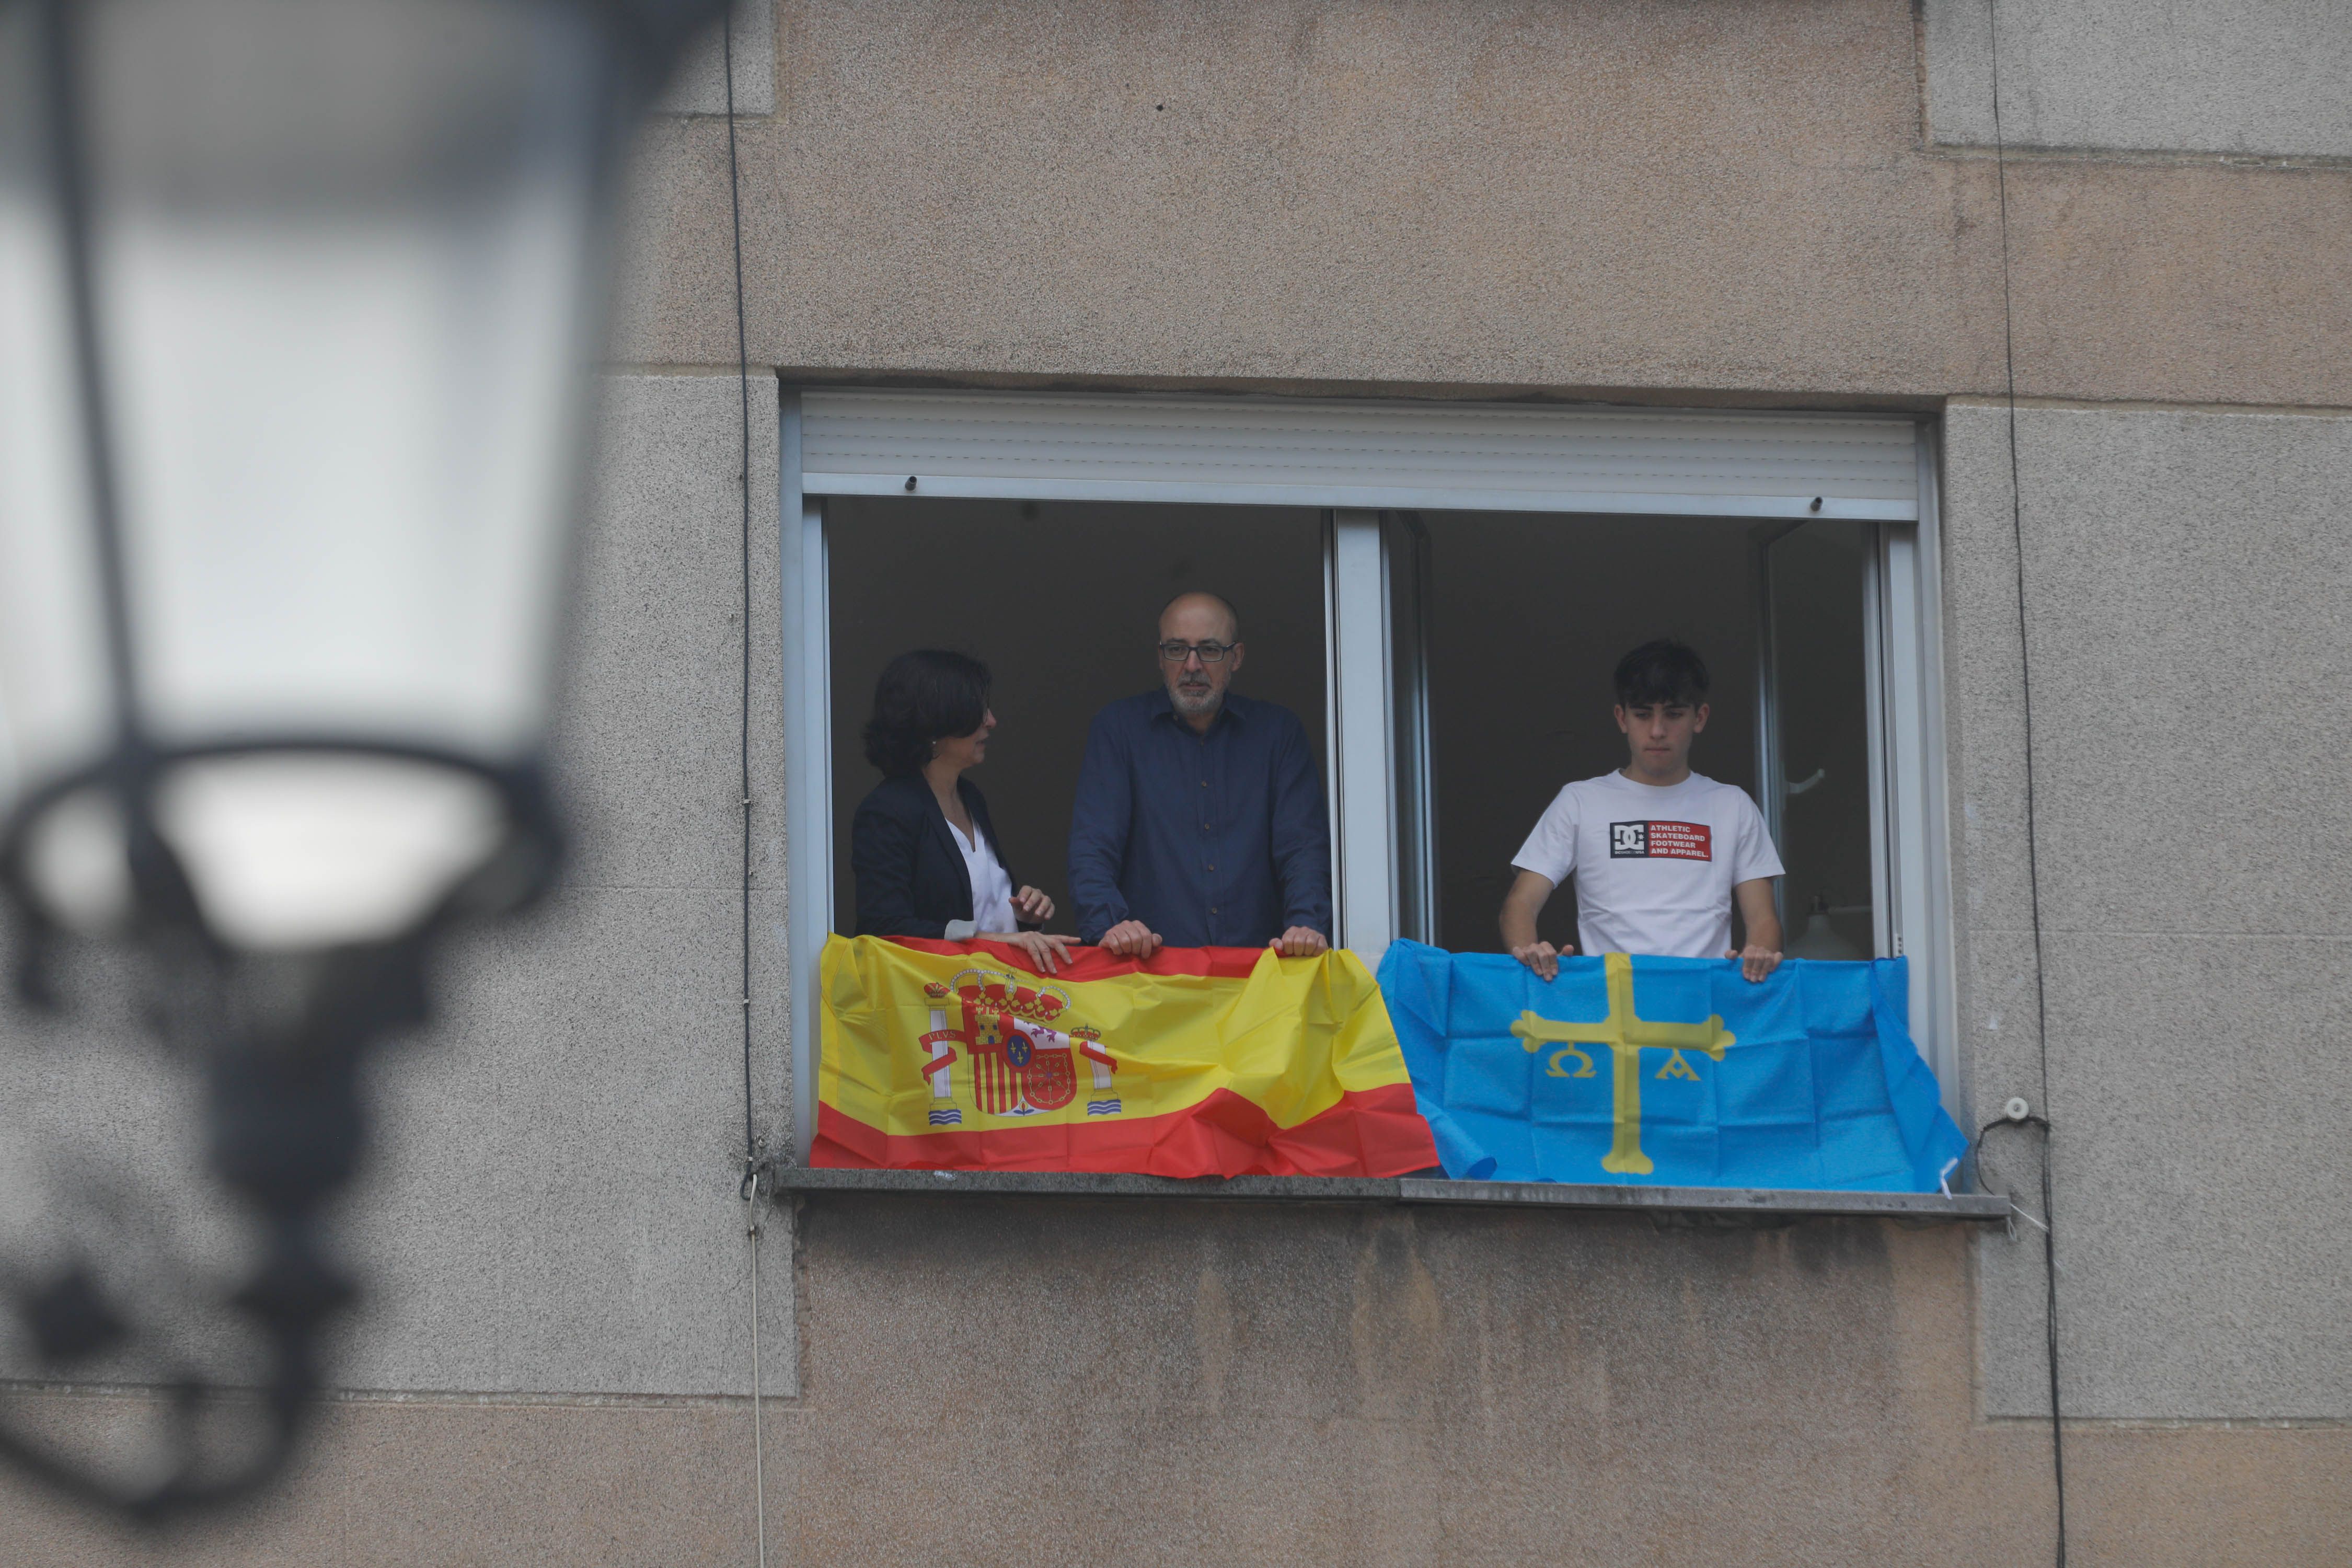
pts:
[1441, 593]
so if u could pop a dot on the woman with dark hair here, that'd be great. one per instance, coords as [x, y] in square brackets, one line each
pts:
[921, 845]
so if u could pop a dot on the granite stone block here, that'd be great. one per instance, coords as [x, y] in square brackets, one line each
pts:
[555, 1209]
[1165, 1382]
[1985, 722]
[648, 745]
[2255, 76]
[2199, 1096]
[1653, 204]
[2191, 630]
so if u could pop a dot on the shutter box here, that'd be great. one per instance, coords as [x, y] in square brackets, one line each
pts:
[1263, 451]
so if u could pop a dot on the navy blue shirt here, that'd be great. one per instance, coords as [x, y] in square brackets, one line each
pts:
[1214, 840]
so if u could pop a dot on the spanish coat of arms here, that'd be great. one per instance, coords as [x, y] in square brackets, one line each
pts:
[1021, 1045]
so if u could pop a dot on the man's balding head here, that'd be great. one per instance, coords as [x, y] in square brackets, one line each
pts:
[1198, 599]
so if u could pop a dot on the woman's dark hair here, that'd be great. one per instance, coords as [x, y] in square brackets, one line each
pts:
[923, 696]
[1661, 672]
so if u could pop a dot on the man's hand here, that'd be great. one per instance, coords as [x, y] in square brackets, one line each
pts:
[1130, 939]
[1756, 962]
[1031, 904]
[1541, 957]
[1300, 941]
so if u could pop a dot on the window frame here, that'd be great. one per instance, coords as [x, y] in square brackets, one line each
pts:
[1383, 815]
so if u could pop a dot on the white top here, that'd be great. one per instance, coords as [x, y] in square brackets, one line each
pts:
[1655, 867]
[991, 890]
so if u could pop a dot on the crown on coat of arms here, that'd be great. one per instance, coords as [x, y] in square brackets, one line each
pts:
[997, 993]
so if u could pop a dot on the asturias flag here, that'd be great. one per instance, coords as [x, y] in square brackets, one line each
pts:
[1196, 1062]
[1670, 1071]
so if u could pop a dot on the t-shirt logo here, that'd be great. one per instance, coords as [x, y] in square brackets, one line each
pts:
[1674, 840]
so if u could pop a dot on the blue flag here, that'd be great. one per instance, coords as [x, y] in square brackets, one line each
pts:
[1670, 1072]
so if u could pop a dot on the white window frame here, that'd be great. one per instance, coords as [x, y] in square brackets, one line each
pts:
[1406, 456]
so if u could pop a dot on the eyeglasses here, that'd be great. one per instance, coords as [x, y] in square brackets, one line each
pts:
[1210, 652]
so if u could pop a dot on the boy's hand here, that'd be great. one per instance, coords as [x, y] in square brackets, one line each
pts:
[1541, 957]
[1755, 962]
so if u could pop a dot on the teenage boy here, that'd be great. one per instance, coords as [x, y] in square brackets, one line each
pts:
[1659, 853]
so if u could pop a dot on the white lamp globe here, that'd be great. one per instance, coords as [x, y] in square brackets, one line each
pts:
[297, 298]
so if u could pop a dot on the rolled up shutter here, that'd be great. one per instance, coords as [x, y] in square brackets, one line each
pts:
[1301, 452]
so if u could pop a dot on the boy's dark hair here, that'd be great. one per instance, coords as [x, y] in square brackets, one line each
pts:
[1662, 672]
[923, 696]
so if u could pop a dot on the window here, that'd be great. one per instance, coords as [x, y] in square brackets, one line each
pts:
[1438, 589]
[1058, 597]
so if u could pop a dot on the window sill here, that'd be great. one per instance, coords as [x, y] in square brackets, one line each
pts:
[1698, 1204]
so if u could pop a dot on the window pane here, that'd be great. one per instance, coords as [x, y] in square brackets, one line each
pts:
[1818, 680]
[1059, 598]
[1405, 539]
[1529, 613]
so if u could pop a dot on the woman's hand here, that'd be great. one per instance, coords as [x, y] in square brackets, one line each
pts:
[1042, 950]
[1031, 904]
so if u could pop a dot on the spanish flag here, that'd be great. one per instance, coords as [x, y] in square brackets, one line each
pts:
[1213, 1061]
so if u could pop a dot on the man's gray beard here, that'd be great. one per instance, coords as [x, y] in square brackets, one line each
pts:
[1192, 707]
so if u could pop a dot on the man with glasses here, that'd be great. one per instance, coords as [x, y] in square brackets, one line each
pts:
[1200, 818]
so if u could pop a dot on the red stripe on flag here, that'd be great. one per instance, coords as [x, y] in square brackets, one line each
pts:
[1370, 1132]
[1094, 964]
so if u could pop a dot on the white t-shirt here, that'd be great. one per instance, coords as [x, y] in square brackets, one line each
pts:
[1654, 867]
[991, 890]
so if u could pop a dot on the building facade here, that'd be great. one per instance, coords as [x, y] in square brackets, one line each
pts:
[2095, 262]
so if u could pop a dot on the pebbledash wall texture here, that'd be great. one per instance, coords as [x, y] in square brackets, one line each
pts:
[1788, 204]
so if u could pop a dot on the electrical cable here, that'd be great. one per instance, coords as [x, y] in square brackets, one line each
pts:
[749, 1187]
[2033, 863]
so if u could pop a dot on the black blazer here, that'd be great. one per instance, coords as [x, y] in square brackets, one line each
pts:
[909, 863]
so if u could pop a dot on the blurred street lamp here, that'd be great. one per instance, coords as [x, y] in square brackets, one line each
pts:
[297, 303]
